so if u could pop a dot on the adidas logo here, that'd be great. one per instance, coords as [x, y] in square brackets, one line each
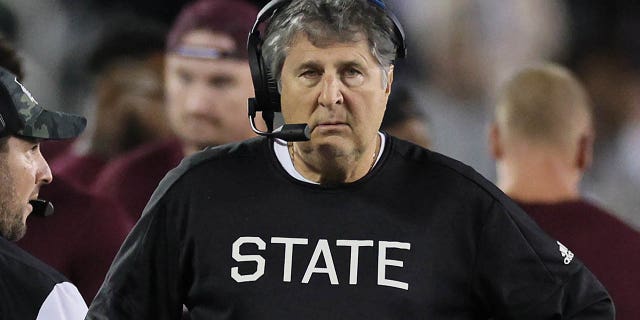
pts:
[565, 252]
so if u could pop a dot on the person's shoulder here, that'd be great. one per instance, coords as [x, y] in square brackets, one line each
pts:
[423, 156]
[155, 151]
[441, 167]
[86, 211]
[147, 162]
[222, 157]
[31, 289]
[455, 180]
[234, 150]
[226, 156]
[606, 219]
[19, 266]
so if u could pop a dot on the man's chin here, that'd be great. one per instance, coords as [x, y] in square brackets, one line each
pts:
[15, 232]
[19, 234]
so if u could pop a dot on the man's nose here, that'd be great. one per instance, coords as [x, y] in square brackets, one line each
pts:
[198, 100]
[43, 175]
[331, 91]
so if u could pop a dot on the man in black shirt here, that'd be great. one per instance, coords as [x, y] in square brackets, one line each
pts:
[29, 289]
[351, 224]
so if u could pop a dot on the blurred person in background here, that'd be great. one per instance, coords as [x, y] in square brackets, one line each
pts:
[605, 55]
[404, 119]
[126, 99]
[461, 50]
[29, 289]
[542, 140]
[207, 84]
[82, 238]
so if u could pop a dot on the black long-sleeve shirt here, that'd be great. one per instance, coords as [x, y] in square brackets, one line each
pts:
[30, 289]
[231, 235]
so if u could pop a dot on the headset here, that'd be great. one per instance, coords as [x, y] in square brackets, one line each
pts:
[267, 97]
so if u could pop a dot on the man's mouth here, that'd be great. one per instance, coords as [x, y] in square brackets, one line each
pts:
[330, 125]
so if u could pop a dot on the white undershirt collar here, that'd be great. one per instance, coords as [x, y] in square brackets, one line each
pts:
[282, 153]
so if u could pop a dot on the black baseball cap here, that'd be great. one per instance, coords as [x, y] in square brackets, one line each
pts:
[21, 115]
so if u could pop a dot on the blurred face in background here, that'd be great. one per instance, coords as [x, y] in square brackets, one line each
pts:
[207, 96]
[23, 170]
[131, 103]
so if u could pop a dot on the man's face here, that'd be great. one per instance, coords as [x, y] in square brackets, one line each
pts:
[207, 98]
[23, 170]
[338, 91]
[130, 102]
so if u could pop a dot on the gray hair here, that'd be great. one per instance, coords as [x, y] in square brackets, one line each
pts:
[328, 21]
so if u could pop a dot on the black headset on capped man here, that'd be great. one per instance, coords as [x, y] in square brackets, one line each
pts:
[267, 99]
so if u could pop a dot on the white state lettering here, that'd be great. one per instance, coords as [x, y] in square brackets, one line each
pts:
[355, 250]
[321, 248]
[383, 262]
[288, 254]
[243, 258]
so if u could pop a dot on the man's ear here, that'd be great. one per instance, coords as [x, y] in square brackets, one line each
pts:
[584, 152]
[495, 146]
[389, 80]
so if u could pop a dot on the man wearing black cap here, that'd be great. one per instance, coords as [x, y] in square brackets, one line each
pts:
[29, 289]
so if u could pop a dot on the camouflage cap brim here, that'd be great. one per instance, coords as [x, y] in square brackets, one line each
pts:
[52, 125]
[31, 120]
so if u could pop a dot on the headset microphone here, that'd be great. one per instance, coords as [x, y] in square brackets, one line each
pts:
[42, 208]
[288, 132]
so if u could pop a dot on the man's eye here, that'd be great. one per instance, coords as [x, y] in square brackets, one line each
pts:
[353, 77]
[185, 77]
[310, 73]
[352, 72]
[221, 82]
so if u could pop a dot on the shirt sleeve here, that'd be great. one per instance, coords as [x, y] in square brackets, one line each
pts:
[143, 280]
[64, 302]
[522, 273]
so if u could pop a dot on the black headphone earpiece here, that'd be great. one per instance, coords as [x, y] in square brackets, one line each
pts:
[267, 97]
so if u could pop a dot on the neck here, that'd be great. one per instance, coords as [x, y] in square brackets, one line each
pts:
[538, 177]
[330, 167]
[189, 149]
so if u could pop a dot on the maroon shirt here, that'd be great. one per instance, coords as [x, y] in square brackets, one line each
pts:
[81, 238]
[131, 178]
[607, 246]
[80, 170]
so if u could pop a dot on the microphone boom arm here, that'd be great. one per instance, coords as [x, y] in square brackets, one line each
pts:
[288, 132]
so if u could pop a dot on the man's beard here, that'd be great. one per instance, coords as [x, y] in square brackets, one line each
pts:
[12, 227]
